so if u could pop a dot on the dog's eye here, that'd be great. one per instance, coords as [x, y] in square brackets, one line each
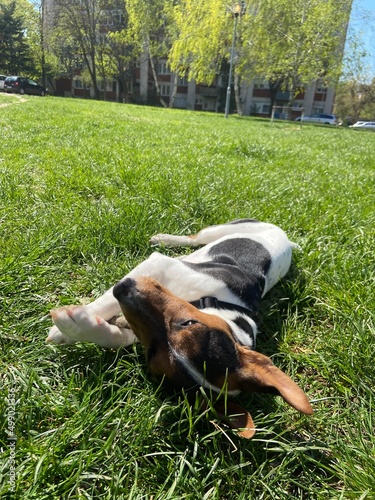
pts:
[188, 322]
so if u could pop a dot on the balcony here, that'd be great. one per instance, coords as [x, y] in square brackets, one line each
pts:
[206, 91]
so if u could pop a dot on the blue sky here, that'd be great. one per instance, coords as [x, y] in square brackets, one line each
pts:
[363, 19]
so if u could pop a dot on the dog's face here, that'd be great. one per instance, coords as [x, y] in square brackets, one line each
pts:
[190, 347]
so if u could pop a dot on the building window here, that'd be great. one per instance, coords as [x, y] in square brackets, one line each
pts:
[110, 18]
[180, 102]
[109, 87]
[78, 84]
[317, 109]
[163, 69]
[263, 108]
[321, 90]
[165, 90]
[260, 84]
[118, 16]
[182, 81]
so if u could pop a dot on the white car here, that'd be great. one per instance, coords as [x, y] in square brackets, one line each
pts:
[325, 118]
[364, 125]
[2, 78]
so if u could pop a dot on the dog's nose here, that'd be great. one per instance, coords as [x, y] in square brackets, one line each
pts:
[123, 288]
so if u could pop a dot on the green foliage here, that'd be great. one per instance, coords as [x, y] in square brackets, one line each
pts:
[81, 22]
[84, 185]
[147, 25]
[14, 47]
[203, 40]
[355, 100]
[297, 41]
[291, 41]
[148, 32]
[355, 96]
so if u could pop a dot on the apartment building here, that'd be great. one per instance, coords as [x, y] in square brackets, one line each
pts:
[255, 95]
[170, 90]
[182, 94]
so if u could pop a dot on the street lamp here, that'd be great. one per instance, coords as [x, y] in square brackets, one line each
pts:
[236, 10]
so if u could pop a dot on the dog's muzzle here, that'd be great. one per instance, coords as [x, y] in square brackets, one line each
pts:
[124, 290]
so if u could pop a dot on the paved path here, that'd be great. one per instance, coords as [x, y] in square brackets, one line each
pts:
[18, 96]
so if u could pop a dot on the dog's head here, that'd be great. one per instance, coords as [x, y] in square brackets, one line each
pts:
[190, 347]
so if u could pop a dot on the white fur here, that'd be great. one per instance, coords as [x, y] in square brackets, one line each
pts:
[229, 317]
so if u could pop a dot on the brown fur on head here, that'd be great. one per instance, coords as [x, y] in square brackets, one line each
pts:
[190, 347]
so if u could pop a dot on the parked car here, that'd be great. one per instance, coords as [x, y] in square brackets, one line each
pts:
[364, 125]
[22, 85]
[327, 119]
[2, 79]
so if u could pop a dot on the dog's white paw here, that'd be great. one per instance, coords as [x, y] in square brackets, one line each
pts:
[75, 324]
[57, 337]
[171, 240]
[158, 239]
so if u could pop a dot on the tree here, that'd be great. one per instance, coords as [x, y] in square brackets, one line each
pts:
[355, 100]
[123, 59]
[203, 41]
[355, 94]
[202, 47]
[288, 42]
[81, 20]
[14, 47]
[63, 52]
[112, 53]
[297, 41]
[148, 32]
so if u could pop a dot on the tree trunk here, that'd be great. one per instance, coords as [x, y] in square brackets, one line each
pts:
[274, 86]
[94, 78]
[92, 70]
[105, 89]
[156, 80]
[237, 93]
[293, 87]
[173, 96]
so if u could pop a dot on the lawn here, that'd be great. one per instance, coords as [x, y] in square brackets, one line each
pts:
[83, 185]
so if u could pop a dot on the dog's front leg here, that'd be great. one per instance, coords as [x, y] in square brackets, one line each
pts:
[90, 323]
[76, 324]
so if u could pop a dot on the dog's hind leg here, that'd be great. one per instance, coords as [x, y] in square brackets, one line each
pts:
[205, 236]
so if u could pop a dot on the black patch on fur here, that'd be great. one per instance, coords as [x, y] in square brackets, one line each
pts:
[241, 264]
[217, 355]
[245, 326]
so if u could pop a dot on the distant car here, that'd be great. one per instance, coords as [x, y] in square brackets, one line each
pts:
[364, 125]
[22, 85]
[2, 79]
[324, 118]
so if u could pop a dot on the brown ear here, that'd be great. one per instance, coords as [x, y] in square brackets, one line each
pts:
[259, 374]
[236, 417]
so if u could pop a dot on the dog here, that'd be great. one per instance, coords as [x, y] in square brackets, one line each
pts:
[195, 315]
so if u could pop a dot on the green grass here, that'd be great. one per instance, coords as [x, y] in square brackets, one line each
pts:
[83, 185]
